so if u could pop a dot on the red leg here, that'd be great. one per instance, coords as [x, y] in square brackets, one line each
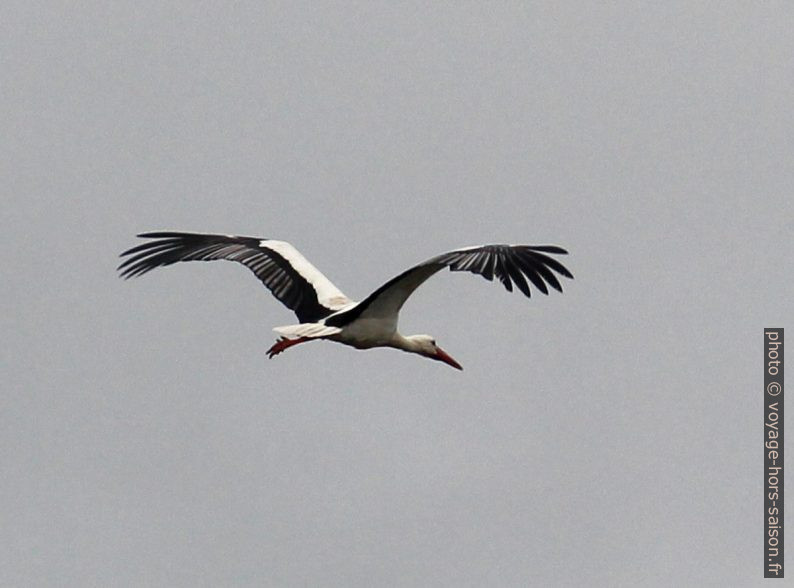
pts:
[283, 343]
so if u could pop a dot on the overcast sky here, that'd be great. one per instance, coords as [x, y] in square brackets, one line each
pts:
[609, 435]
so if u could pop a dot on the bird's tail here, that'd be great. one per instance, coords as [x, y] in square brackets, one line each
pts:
[308, 330]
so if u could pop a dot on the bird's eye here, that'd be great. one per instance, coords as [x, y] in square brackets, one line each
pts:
[433, 342]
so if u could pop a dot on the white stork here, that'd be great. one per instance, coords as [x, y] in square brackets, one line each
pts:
[323, 310]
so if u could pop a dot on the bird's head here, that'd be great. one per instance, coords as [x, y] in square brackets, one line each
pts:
[426, 345]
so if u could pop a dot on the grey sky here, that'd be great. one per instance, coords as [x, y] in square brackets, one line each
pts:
[606, 436]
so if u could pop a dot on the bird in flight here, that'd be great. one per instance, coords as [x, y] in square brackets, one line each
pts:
[323, 311]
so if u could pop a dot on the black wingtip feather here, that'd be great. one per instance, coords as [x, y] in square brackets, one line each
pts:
[549, 249]
[557, 267]
[168, 235]
[517, 276]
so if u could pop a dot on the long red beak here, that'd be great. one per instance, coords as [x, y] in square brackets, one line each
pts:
[442, 355]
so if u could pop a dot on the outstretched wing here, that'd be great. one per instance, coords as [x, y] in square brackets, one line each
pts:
[510, 264]
[279, 266]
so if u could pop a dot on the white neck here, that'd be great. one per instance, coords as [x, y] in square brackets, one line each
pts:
[405, 343]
